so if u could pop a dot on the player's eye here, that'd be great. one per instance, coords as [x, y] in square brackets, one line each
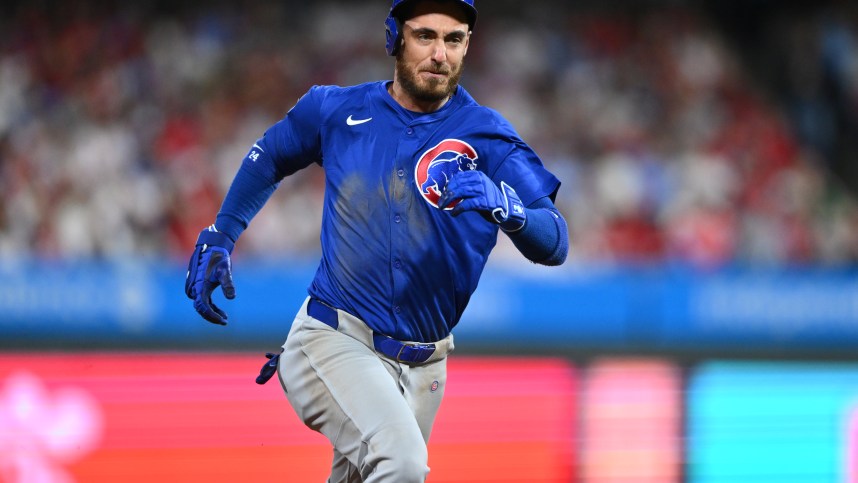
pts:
[455, 39]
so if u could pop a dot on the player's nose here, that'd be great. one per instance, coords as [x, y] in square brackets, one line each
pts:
[439, 54]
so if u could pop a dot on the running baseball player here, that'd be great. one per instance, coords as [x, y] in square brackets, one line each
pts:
[420, 179]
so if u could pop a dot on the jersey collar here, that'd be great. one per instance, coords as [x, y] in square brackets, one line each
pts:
[411, 117]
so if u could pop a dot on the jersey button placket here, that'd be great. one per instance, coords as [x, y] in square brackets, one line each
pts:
[409, 143]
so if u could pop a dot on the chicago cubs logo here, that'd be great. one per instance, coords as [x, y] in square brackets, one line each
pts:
[438, 164]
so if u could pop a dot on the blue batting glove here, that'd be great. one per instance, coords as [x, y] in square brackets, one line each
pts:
[208, 268]
[478, 192]
[269, 368]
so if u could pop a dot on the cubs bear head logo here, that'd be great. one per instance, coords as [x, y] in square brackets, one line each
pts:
[438, 164]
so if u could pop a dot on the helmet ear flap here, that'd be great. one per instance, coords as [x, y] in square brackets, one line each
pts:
[393, 34]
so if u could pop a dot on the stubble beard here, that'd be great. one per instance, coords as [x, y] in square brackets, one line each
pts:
[432, 90]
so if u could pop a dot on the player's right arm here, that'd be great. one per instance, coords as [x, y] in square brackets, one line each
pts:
[290, 145]
[287, 147]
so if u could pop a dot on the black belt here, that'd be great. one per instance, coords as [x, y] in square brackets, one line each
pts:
[408, 352]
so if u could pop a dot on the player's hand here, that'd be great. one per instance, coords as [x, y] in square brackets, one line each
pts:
[269, 368]
[208, 268]
[478, 192]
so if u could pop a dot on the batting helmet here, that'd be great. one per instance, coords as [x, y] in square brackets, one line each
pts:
[393, 24]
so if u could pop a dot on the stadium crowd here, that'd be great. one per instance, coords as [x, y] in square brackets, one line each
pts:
[121, 127]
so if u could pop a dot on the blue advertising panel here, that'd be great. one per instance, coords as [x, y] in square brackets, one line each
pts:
[657, 308]
[778, 308]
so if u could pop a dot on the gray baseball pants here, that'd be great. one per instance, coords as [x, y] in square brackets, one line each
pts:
[376, 412]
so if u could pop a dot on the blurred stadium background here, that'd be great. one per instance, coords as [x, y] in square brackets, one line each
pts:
[704, 329]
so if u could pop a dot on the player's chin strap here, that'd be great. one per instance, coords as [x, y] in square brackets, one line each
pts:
[510, 216]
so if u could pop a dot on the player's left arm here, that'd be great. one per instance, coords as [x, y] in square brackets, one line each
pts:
[538, 230]
[544, 237]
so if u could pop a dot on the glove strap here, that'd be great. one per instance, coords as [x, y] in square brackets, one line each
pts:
[213, 238]
[209, 237]
[511, 217]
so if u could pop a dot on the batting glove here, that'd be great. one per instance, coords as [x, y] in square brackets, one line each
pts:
[477, 192]
[210, 267]
[269, 368]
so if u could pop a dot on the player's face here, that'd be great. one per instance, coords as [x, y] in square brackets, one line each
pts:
[435, 41]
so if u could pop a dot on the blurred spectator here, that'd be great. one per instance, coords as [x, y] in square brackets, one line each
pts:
[120, 127]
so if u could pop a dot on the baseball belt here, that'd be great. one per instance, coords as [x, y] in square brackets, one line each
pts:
[407, 352]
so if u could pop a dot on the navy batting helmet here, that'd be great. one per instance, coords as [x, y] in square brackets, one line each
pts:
[393, 24]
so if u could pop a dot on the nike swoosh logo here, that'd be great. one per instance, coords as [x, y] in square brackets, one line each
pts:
[355, 122]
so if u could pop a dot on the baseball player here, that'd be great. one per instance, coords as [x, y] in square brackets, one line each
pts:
[419, 181]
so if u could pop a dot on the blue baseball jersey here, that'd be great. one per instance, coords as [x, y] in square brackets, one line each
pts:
[390, 256]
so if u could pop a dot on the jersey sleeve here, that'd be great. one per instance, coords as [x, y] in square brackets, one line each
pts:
[294, 142]
[522, 169]
[291, 144]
